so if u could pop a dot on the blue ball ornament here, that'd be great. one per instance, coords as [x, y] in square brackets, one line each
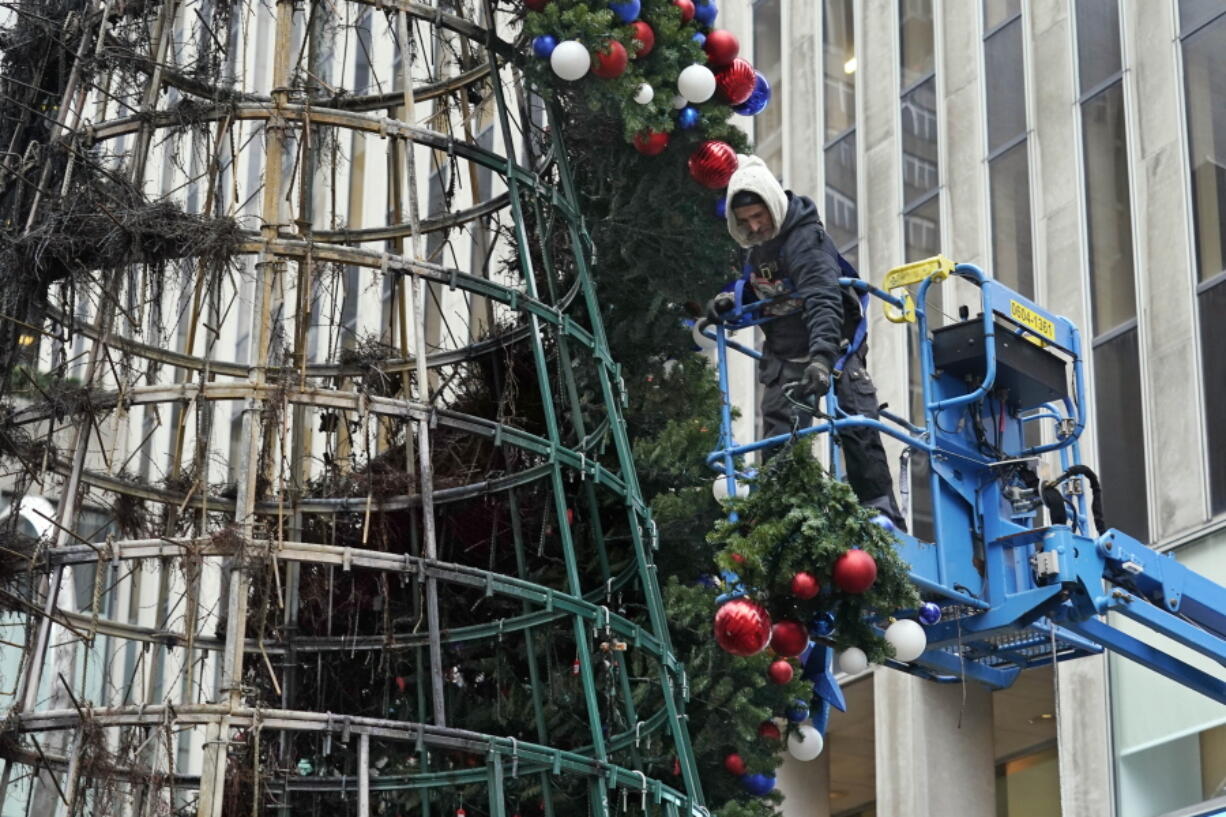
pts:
[544, 45]
[721, 208]
[699, 38]
[759, 785]
[705, 13]
[627, 10]
[929, 613]
[798, 711]
[688, 117]
[822, 624]
[758, 100]
[883, 521]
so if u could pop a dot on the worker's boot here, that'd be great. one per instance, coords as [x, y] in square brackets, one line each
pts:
[888, 507]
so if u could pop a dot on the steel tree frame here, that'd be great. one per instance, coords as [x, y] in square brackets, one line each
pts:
[571, 317]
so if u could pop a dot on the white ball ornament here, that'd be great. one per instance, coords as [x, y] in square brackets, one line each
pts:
[720, 489]
[907, 638]
[570, 60]
[679, 102]
[645, 94]
[853, 661]
[696, 83]
[806, 743]
[704, 343]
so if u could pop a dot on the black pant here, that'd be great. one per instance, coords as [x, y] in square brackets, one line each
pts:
[868, 471]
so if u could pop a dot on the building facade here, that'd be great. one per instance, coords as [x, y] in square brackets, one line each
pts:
[1075, 150]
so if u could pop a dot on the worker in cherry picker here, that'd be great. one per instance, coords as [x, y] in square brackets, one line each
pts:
[809, 341]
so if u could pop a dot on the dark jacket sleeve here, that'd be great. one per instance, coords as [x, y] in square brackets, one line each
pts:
[816, 275]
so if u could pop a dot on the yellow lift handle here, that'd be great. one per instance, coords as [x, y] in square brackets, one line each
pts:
[937, 268]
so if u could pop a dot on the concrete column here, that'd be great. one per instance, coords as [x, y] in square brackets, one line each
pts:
[934, 748]
[880, 153]
[1165, 280]
[1054, 152]
[964, 206]
[803, 135]
[1084, 739]
[806, 786]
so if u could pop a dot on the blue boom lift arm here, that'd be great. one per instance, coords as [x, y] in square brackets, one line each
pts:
[1015, 593]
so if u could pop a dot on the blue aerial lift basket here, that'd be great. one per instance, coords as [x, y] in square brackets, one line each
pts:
[1015, 592]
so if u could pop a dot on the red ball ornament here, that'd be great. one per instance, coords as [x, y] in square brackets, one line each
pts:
[721, 47]
[735, 83]
[644, 36]
[742, 627]
[713, 164]
[855, 571]
[536, 5]
[789, 637]
[769, 730]
[687, 9]
[650, 143]
[805, 585]
[781, 671]
[737, 558]
[735, 764]
[611, 60]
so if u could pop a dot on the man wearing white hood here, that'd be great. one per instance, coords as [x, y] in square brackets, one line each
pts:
[787, 253]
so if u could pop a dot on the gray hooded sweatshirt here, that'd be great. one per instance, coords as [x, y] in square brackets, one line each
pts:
[799, 259]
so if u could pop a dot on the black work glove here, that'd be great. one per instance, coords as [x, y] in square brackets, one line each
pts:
[717, 306]
[816, 379]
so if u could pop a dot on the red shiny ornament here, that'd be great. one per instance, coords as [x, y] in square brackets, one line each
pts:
[650, 143]
[855, 571]
[735, 764]
[611, 60]
[676, 767]
[735, 83]
[574, 668]
[570, 516]
[781, 671]
[721, 47]
[644, 36]
[789, 637]
[460, 812]
[713, 164]
[742, 627]
[769, 730]
[687, 9]
[401, 682]
[737, 558]
[536, 5]
[805, 585]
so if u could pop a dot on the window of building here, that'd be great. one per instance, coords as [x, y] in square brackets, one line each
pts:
[1008, 155]
[1204, 64]
[1117, 377]
[839, 49]
[768, 59]
[921, 211]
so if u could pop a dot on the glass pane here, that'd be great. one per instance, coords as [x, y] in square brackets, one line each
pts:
[996, 12]
[1121, 453]
[1098, 41]
[919, 142]
[1204, 67]
[767, 55]
[1107, 210]
[1006, 85]
[1011, 249]
[841, 220]
[1213, 354]
[915, 28]
[1193, 13]
[922, 232]
[839, 47]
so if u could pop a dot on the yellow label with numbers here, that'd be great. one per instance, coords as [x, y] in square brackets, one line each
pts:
[1032, 320]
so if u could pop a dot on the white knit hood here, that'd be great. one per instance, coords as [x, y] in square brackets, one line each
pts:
[753, 175]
